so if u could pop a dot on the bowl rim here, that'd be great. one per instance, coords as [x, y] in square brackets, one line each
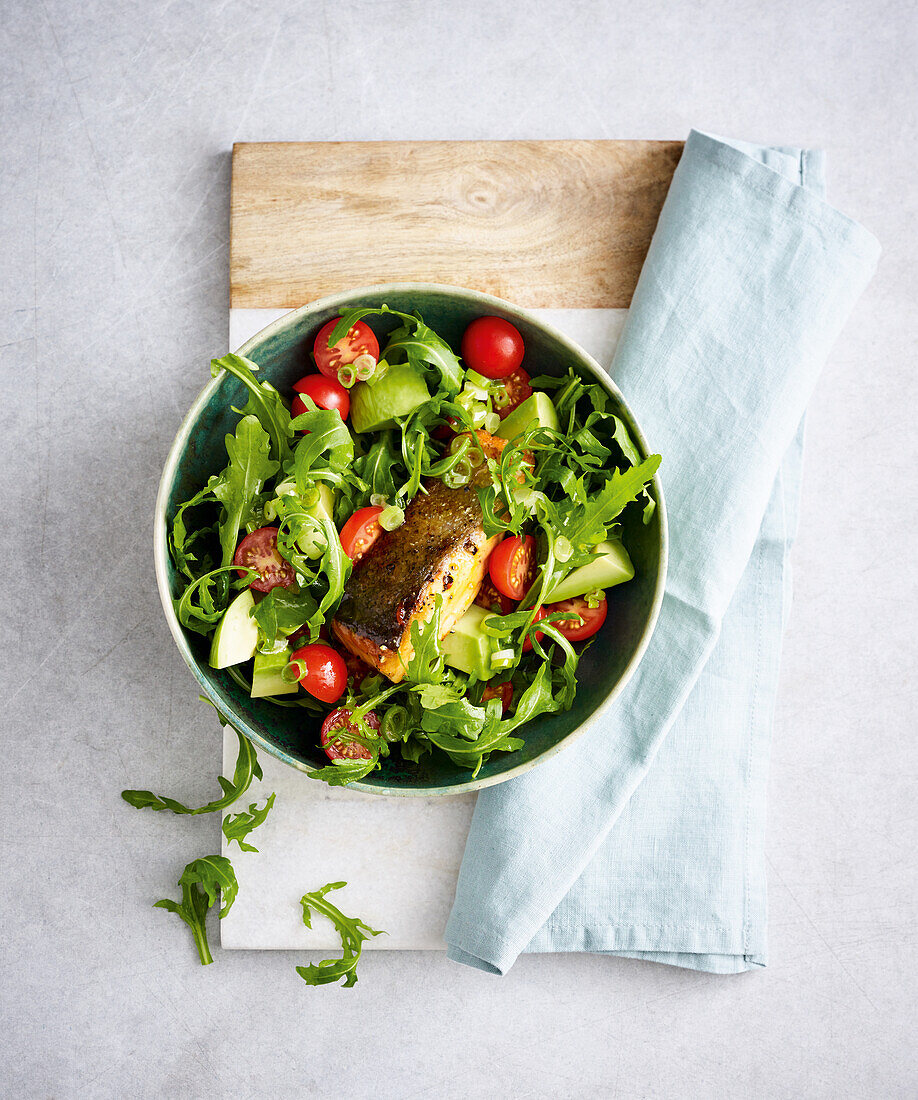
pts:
[331, 301]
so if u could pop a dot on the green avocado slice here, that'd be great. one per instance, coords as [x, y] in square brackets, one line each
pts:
[467, 647]
[612, 567]
[237, 633]
[266, 675]
[399, 392]
[537, 409]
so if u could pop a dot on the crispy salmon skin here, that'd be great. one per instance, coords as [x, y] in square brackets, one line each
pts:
[440, 549]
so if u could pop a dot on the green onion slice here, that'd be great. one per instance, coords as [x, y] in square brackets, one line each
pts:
[347, 375]
[391, 517]
[394, 723]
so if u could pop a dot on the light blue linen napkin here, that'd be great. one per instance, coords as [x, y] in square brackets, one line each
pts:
[645, 837]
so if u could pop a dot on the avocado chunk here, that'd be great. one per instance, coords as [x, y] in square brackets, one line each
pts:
[266, 675]
[237, 633]
[400, 391]
[537, 409]
[612, 567]
[312, 543]
[467, 647]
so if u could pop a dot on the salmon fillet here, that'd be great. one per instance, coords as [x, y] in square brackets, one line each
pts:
[440, 549]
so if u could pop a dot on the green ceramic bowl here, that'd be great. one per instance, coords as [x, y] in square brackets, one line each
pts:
[282, 351]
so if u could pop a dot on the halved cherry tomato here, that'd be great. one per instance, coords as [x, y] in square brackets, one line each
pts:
[324, 671]
[491, 600]
[492, 346]
[342, 749]
[516, 391]
[503, 691]
[589, 619]
[358, 341]
[511, 565]
[527, 644]
[328, 393]
[259, 551]
[361, 531]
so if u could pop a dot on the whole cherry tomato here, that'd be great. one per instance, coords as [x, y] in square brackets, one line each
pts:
[324, 673]
[492, 346]
[328, 393]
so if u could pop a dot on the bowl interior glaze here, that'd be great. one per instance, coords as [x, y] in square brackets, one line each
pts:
[282, 351]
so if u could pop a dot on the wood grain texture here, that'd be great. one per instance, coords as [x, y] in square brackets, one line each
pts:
[542, 223]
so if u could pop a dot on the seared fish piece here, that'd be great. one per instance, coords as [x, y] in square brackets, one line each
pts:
[441, 548]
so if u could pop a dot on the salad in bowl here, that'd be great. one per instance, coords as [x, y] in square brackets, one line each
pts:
[406, 547]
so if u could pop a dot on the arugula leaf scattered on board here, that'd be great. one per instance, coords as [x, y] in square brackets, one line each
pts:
[238, 826]
[201, 880]
[247, 769]
[353, 933]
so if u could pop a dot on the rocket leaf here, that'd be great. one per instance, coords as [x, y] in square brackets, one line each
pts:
[353, 933]
[201, 881]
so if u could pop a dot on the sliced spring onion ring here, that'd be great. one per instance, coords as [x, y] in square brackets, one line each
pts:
[293, 671]
[502, 658]
[456, 478]
[480, 393]
[479, 380]
[563, 548]
[347, 375]
[394, 723]
[364, 366]
[391, 517]
[382, 369]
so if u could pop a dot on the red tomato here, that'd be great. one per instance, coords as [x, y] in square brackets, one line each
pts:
[511, 566]
[324, 671]
[328, 393]
[259, 551]
[516, 391]
[503, 691]
[346, 750]
[489, 598]
[358, 341]
[527, 644]
[360, 532]
[585, 626]
[492, 346]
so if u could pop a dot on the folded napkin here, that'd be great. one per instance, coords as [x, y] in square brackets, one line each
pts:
[645, 837]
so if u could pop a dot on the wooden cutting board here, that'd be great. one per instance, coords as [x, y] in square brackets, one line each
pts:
[546, 224]
[561, 227]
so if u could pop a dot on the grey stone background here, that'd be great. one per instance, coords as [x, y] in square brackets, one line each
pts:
[115, 128]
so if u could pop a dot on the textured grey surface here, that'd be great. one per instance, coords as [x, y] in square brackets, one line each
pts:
[116, 121]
